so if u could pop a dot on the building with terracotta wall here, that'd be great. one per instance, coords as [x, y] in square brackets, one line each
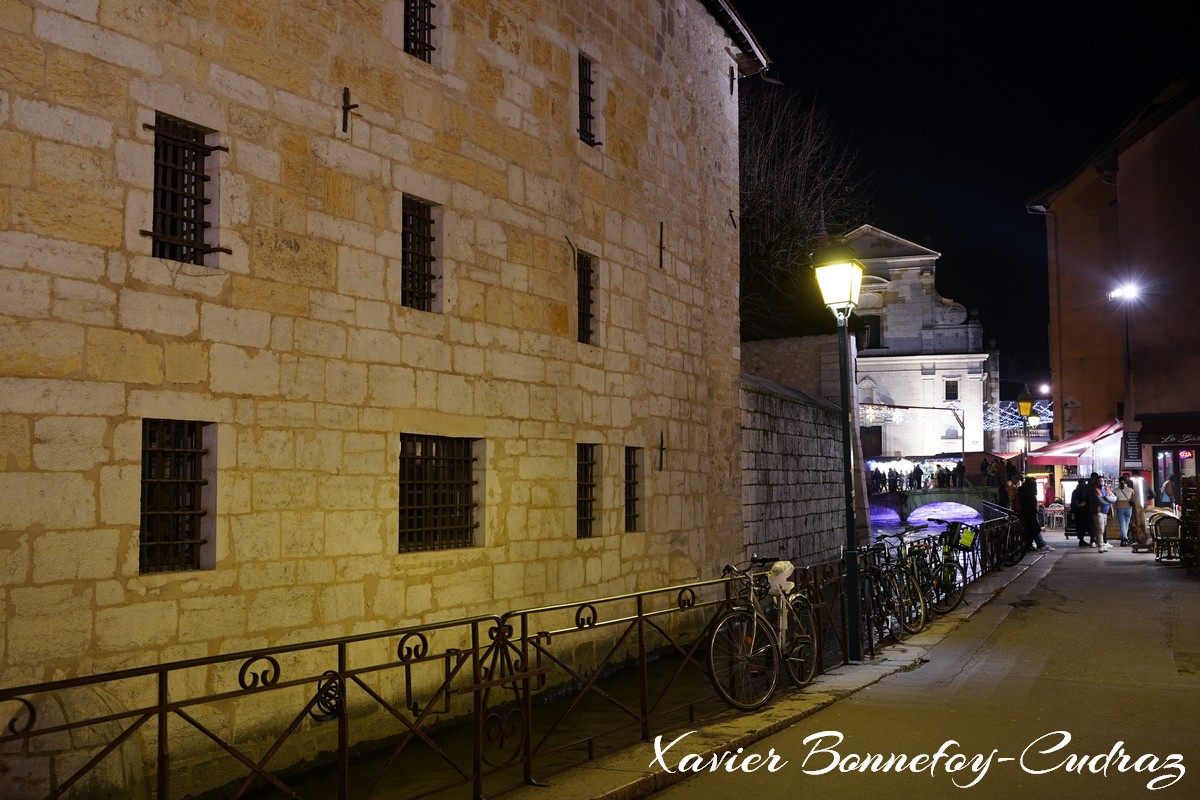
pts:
[316, 321]
[1128, 216]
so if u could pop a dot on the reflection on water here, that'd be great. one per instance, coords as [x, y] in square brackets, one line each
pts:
[885, 520]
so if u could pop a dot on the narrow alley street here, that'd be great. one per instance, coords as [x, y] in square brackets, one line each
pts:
[1081, 679]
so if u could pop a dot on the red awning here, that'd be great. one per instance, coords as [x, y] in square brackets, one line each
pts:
[1070, 449]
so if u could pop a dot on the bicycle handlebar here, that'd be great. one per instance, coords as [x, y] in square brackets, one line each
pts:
[730, 569]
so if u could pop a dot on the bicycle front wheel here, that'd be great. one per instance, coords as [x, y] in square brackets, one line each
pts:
[742, 662]
[799, 649]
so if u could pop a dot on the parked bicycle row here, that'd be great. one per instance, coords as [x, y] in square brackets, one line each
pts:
[905, 579]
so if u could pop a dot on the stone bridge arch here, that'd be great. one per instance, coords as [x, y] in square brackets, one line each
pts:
[906, 502]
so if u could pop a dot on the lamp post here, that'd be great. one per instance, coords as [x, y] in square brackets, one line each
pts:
[839, 275]
[1025, 409]
[1125, 295]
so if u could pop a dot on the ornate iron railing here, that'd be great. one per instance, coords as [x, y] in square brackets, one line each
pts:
[492, 701]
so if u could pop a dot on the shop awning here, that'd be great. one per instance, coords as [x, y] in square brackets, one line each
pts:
[1070, 449]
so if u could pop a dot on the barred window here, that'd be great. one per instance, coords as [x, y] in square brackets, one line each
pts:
[587, 474]
[418, 274]
[587, 119]
[437, 493]
[175, 463]
[633, 488]
[419, 28]
[951, 393]
[585, 270]
[181, 191]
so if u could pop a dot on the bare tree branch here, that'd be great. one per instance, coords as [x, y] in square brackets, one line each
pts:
[794, 170]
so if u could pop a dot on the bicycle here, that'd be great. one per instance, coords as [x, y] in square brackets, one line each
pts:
[913, 606]
[771, 624]
[949, 576]
[880, 604]
[1012, 541]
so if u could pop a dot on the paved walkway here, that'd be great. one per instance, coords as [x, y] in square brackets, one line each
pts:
[1101, 645]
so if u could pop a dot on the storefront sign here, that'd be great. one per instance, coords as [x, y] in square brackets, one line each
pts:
[1133, 450]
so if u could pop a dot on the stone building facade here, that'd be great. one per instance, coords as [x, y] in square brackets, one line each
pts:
[494, 245]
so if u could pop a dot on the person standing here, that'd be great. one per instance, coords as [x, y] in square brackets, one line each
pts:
[1080, 515]
[1123, 507]
[1026, 507]
[1168, 492]
[1100, 503]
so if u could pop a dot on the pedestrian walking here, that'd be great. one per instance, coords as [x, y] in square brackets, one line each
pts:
[1100, 502]
[1123, 506]
[1026, 507]
[1081, 518]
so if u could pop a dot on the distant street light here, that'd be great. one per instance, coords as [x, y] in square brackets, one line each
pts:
[1025, 409]
[839, 274]
[1126, 294]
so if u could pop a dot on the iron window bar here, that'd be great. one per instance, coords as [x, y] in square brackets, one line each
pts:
[173, 456]
[584, 269]
[417, 275]
[180, 196]
[585, 499]
[418, 29]
[436, 488]
[632, 485]
[587, 132]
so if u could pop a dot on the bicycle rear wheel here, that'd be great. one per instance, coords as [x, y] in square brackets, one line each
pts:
[950, 581]
[1013, 544]
[879, 608]
[913, 611]
[742, 663]
[799, 650]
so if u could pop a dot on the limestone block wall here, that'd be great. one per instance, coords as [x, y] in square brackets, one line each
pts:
[294, 343]
[792, 479]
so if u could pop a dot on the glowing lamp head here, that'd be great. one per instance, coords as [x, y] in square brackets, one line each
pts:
[1126, 291]
[1025, 403]
[839, 274]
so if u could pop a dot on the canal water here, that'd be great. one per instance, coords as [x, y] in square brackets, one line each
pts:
[887, 521]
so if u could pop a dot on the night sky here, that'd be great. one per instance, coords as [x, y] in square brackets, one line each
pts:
[961, 112]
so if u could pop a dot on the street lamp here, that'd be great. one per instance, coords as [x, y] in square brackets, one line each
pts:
[1125, 295]
[1025, 409]
[839, 274]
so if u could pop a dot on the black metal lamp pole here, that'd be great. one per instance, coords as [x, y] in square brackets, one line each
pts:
[853, 629]
[1025, 408]
[839, 274]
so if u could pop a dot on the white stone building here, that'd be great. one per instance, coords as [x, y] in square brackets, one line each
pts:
[924, 377]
